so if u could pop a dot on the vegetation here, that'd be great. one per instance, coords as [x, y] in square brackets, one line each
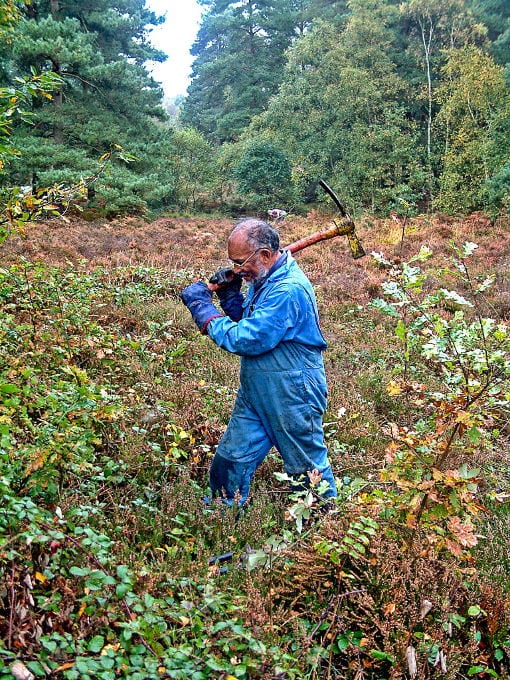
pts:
[111, 402]
[400, 107]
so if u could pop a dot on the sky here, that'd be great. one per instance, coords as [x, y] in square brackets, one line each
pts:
[175, 37]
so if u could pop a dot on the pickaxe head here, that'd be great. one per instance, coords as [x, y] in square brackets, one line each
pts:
[345, 227]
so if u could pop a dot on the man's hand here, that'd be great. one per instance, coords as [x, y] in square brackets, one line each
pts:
[227, 285]
[224, 277]
[198, 299]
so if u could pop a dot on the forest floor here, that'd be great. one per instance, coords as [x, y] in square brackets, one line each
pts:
[108, 388]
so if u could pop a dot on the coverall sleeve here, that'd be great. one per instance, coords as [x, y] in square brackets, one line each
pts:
[264, 328]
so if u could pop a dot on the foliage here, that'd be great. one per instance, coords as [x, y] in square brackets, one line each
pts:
[14, 105]
[474, 114]
[339, 116]
[193, 166]
[105, 97]
[263, 175]
[360, 98]
[110, 404]
[456, 375]
[20, 205]
[239, 58]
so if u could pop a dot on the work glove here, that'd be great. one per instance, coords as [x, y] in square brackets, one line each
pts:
[198, 299]
[229, 295]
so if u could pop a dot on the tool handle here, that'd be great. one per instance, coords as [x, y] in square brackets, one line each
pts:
[345, 228]
[335, 198]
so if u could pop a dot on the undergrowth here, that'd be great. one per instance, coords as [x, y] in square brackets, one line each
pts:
[111, 404]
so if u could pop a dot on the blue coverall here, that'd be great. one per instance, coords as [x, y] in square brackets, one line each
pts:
[282, 395]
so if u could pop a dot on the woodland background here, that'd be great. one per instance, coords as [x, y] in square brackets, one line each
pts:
[398, 106]
[111, 401]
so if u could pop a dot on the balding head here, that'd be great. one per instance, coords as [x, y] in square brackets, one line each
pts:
[256, 234]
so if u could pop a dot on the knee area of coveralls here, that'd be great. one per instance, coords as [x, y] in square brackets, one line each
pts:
[230, 480]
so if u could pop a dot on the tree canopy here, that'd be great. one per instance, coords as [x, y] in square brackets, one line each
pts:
[394, 104]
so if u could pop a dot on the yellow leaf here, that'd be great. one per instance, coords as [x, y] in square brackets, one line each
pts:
[40, 577]
[106, 648]
[464, 417]
[36, 463]
[393, 388]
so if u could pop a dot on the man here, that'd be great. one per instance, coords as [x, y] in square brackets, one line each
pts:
[275, 330]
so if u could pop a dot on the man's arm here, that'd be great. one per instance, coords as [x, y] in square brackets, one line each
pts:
[271, 322]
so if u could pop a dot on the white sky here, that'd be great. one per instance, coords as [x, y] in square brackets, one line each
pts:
[175, 37]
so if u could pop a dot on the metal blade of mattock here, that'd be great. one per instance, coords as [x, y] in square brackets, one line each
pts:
[347, 227]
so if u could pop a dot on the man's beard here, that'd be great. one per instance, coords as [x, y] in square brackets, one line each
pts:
[261, 275]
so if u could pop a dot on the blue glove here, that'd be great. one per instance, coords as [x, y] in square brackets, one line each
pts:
[229, 295]
[198, 299]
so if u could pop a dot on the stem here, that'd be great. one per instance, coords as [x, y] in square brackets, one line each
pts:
[93, 559]
[12, 599]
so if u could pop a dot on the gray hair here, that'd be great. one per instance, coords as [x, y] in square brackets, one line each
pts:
[259, 234]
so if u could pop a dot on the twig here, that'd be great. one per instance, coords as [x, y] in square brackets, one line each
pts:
[93, 559]
[12, 599]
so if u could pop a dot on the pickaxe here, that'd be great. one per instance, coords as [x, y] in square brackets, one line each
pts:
[344, 228]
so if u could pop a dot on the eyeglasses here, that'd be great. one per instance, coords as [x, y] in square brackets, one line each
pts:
[240, 265]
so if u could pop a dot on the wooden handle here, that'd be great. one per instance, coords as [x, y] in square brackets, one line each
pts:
[345, 228]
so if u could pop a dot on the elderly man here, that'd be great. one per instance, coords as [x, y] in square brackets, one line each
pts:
[275, 329]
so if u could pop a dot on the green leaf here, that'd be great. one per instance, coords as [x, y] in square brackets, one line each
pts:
[401, 330]
[476, 670]
[383, 656]
[8, 388]
[96, 644]
[122, 588]
[78, 571]
[342, 642]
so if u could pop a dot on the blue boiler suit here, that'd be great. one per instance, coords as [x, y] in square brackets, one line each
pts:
[282, 395]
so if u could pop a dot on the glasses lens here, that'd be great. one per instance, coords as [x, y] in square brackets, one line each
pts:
[241, 264]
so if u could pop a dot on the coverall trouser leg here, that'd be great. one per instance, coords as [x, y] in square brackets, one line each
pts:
[281, 409]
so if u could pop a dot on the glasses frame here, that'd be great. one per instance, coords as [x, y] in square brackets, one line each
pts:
[240, 265]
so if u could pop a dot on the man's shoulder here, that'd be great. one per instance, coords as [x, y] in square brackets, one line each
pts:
[292, 282]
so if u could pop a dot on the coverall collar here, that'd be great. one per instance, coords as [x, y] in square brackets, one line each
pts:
[279, 262]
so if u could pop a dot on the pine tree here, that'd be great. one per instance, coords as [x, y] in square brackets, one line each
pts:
[239, 61]
[107, 98]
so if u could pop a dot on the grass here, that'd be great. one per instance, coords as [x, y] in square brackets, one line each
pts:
[147, 399]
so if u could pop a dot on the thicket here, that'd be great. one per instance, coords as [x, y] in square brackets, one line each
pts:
[111, 404]
[401, 108]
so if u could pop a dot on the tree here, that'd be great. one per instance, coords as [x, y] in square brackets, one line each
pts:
[339, 113]
[192, 162]
[263, 174]
[239, 59]
[474, 119]
[106, 98]
[495, 14]
[432, 26]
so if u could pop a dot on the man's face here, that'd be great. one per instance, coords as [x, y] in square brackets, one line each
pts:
[251, 263]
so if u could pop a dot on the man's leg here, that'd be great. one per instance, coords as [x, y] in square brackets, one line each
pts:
[241, 450]
[291, 405]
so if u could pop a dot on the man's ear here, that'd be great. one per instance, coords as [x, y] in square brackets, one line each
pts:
[266, 255]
